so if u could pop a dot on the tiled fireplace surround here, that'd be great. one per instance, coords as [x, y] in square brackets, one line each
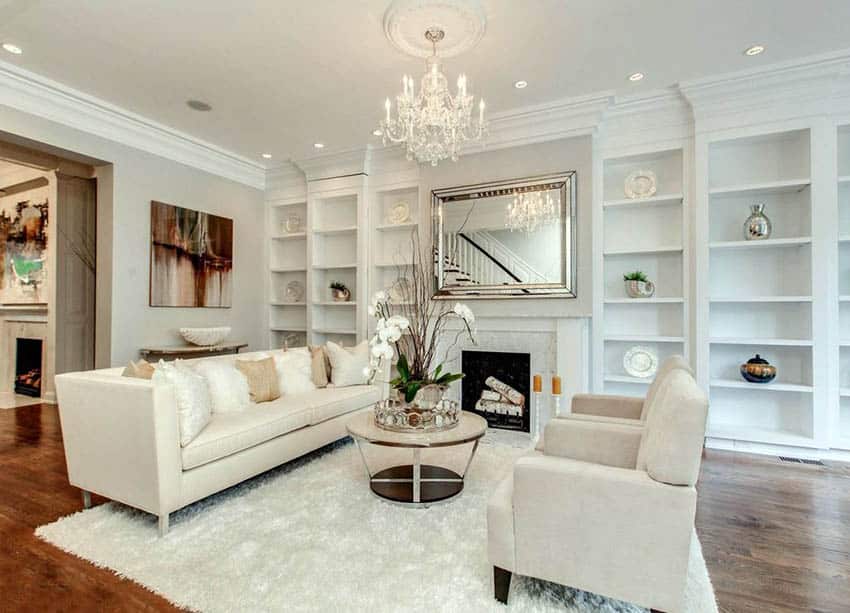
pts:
[556, 346]
[22, 323]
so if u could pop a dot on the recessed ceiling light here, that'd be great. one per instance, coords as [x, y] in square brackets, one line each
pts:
[754, 50]
[521, 84]
[636, 76]
[377, 133]
[12, 48]
[319, 145]
[198, 105]
[268, 156]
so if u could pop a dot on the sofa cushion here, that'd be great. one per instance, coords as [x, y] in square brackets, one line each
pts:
[331, 402]
[229, 433]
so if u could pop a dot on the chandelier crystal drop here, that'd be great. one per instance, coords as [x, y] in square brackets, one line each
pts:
[531, 210]
[432, 123]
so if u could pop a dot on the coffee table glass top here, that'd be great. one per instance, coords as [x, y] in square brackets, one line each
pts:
[471, 427]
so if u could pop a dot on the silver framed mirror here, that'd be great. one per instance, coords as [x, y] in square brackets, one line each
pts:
[507, 239]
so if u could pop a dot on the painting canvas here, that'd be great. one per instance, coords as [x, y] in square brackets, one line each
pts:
[191, 258]
[23, 241]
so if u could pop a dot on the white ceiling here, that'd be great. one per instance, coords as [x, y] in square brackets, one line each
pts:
[283, 74]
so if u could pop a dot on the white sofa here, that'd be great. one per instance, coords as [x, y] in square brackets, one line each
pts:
[607, 506]
[122, 439]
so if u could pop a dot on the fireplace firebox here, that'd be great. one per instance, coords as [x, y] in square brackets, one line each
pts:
[496, 385]
[28, 367]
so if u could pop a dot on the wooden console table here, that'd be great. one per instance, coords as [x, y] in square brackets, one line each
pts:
[186, 352]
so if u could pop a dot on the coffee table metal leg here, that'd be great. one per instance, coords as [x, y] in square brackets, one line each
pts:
[417, 475]
[362, 457]
[469, 461]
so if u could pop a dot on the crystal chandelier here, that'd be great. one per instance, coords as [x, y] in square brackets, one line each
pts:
[433, 124]
[530, 210]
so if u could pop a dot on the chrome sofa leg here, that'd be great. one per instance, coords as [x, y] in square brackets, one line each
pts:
[163, 525]
[86, 499]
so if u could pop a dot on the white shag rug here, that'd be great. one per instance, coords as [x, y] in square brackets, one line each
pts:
[309, 536]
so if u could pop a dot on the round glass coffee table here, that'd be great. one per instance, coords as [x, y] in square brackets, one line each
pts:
[417, 484]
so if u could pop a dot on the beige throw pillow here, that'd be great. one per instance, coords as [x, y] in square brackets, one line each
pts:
[348, 366]
[262, 378]
[320, 366]
[139, 370]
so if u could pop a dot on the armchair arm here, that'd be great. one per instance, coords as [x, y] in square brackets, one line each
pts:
[121, 439]
[603, 529]
[607, 405]
[610, 444]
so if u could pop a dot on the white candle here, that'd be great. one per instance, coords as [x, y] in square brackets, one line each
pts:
[481, 111]
[387, 106]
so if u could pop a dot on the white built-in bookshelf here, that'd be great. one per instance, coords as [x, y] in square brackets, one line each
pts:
[336, 252]
[391, 240]
[840, 424]
[287, 257]
[650, 235]
[757, 297]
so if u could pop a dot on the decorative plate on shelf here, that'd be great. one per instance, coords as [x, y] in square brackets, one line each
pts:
[294, 291]
[292, 224]
[399, 213]
[640, 184]
[640, 362]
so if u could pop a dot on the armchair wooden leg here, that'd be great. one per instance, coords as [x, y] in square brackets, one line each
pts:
[501, 584]
[86, 499]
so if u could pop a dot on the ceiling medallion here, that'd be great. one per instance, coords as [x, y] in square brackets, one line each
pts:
[433, 124]
[463, 23]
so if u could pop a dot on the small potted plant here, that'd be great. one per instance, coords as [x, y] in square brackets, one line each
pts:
[638, 286]
[340, 291]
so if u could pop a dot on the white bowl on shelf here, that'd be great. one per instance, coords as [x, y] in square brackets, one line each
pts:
[205, 337]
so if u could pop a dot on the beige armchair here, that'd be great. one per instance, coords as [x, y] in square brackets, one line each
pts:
[608, 407]
[607, 507]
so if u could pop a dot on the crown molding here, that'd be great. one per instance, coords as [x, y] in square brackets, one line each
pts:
[37, 95]
[798, 88]
[646, 120]
[336, 164]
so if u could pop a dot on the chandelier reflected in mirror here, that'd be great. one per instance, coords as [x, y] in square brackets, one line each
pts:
[432, 123]
[532, 210]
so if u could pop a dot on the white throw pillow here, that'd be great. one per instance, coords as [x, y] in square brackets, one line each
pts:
[191, 394]
[349, 366]
[294, 371]
[228, 387]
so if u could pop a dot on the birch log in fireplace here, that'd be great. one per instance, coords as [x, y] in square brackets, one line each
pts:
[495, 386]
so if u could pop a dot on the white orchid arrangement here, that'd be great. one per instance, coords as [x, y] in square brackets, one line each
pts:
[413, 327]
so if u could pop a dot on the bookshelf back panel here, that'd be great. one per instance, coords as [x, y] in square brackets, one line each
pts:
[789, 213]
[641, 228]
[761, 320]
[667, 166]
[765, 410]
[641, 318]
[759, 159]
[793, 364]
[760, 271]
[664, 270]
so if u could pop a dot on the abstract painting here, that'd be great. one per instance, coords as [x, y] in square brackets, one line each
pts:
[23, 242]
[191, 258]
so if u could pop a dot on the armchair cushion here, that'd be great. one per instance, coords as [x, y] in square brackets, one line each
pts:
[671, 449]
[608, 443]
[674, 362]
[607, 405]
[603, 529]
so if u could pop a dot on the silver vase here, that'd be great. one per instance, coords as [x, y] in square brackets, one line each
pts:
[758, 226]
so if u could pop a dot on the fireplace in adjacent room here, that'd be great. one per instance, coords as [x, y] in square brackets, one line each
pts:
[28, 366]
[496, 385]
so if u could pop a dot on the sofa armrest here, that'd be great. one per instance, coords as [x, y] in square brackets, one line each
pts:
[607, 405]
[603, 529]
[610, 444]
[121, 439]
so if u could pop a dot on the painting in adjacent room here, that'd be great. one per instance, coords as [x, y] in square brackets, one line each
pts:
[23, 241]
[191, 258]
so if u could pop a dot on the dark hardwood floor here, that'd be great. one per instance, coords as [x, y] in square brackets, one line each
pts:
[776, 536]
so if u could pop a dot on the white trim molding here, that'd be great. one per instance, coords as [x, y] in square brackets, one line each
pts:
[37, 95]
